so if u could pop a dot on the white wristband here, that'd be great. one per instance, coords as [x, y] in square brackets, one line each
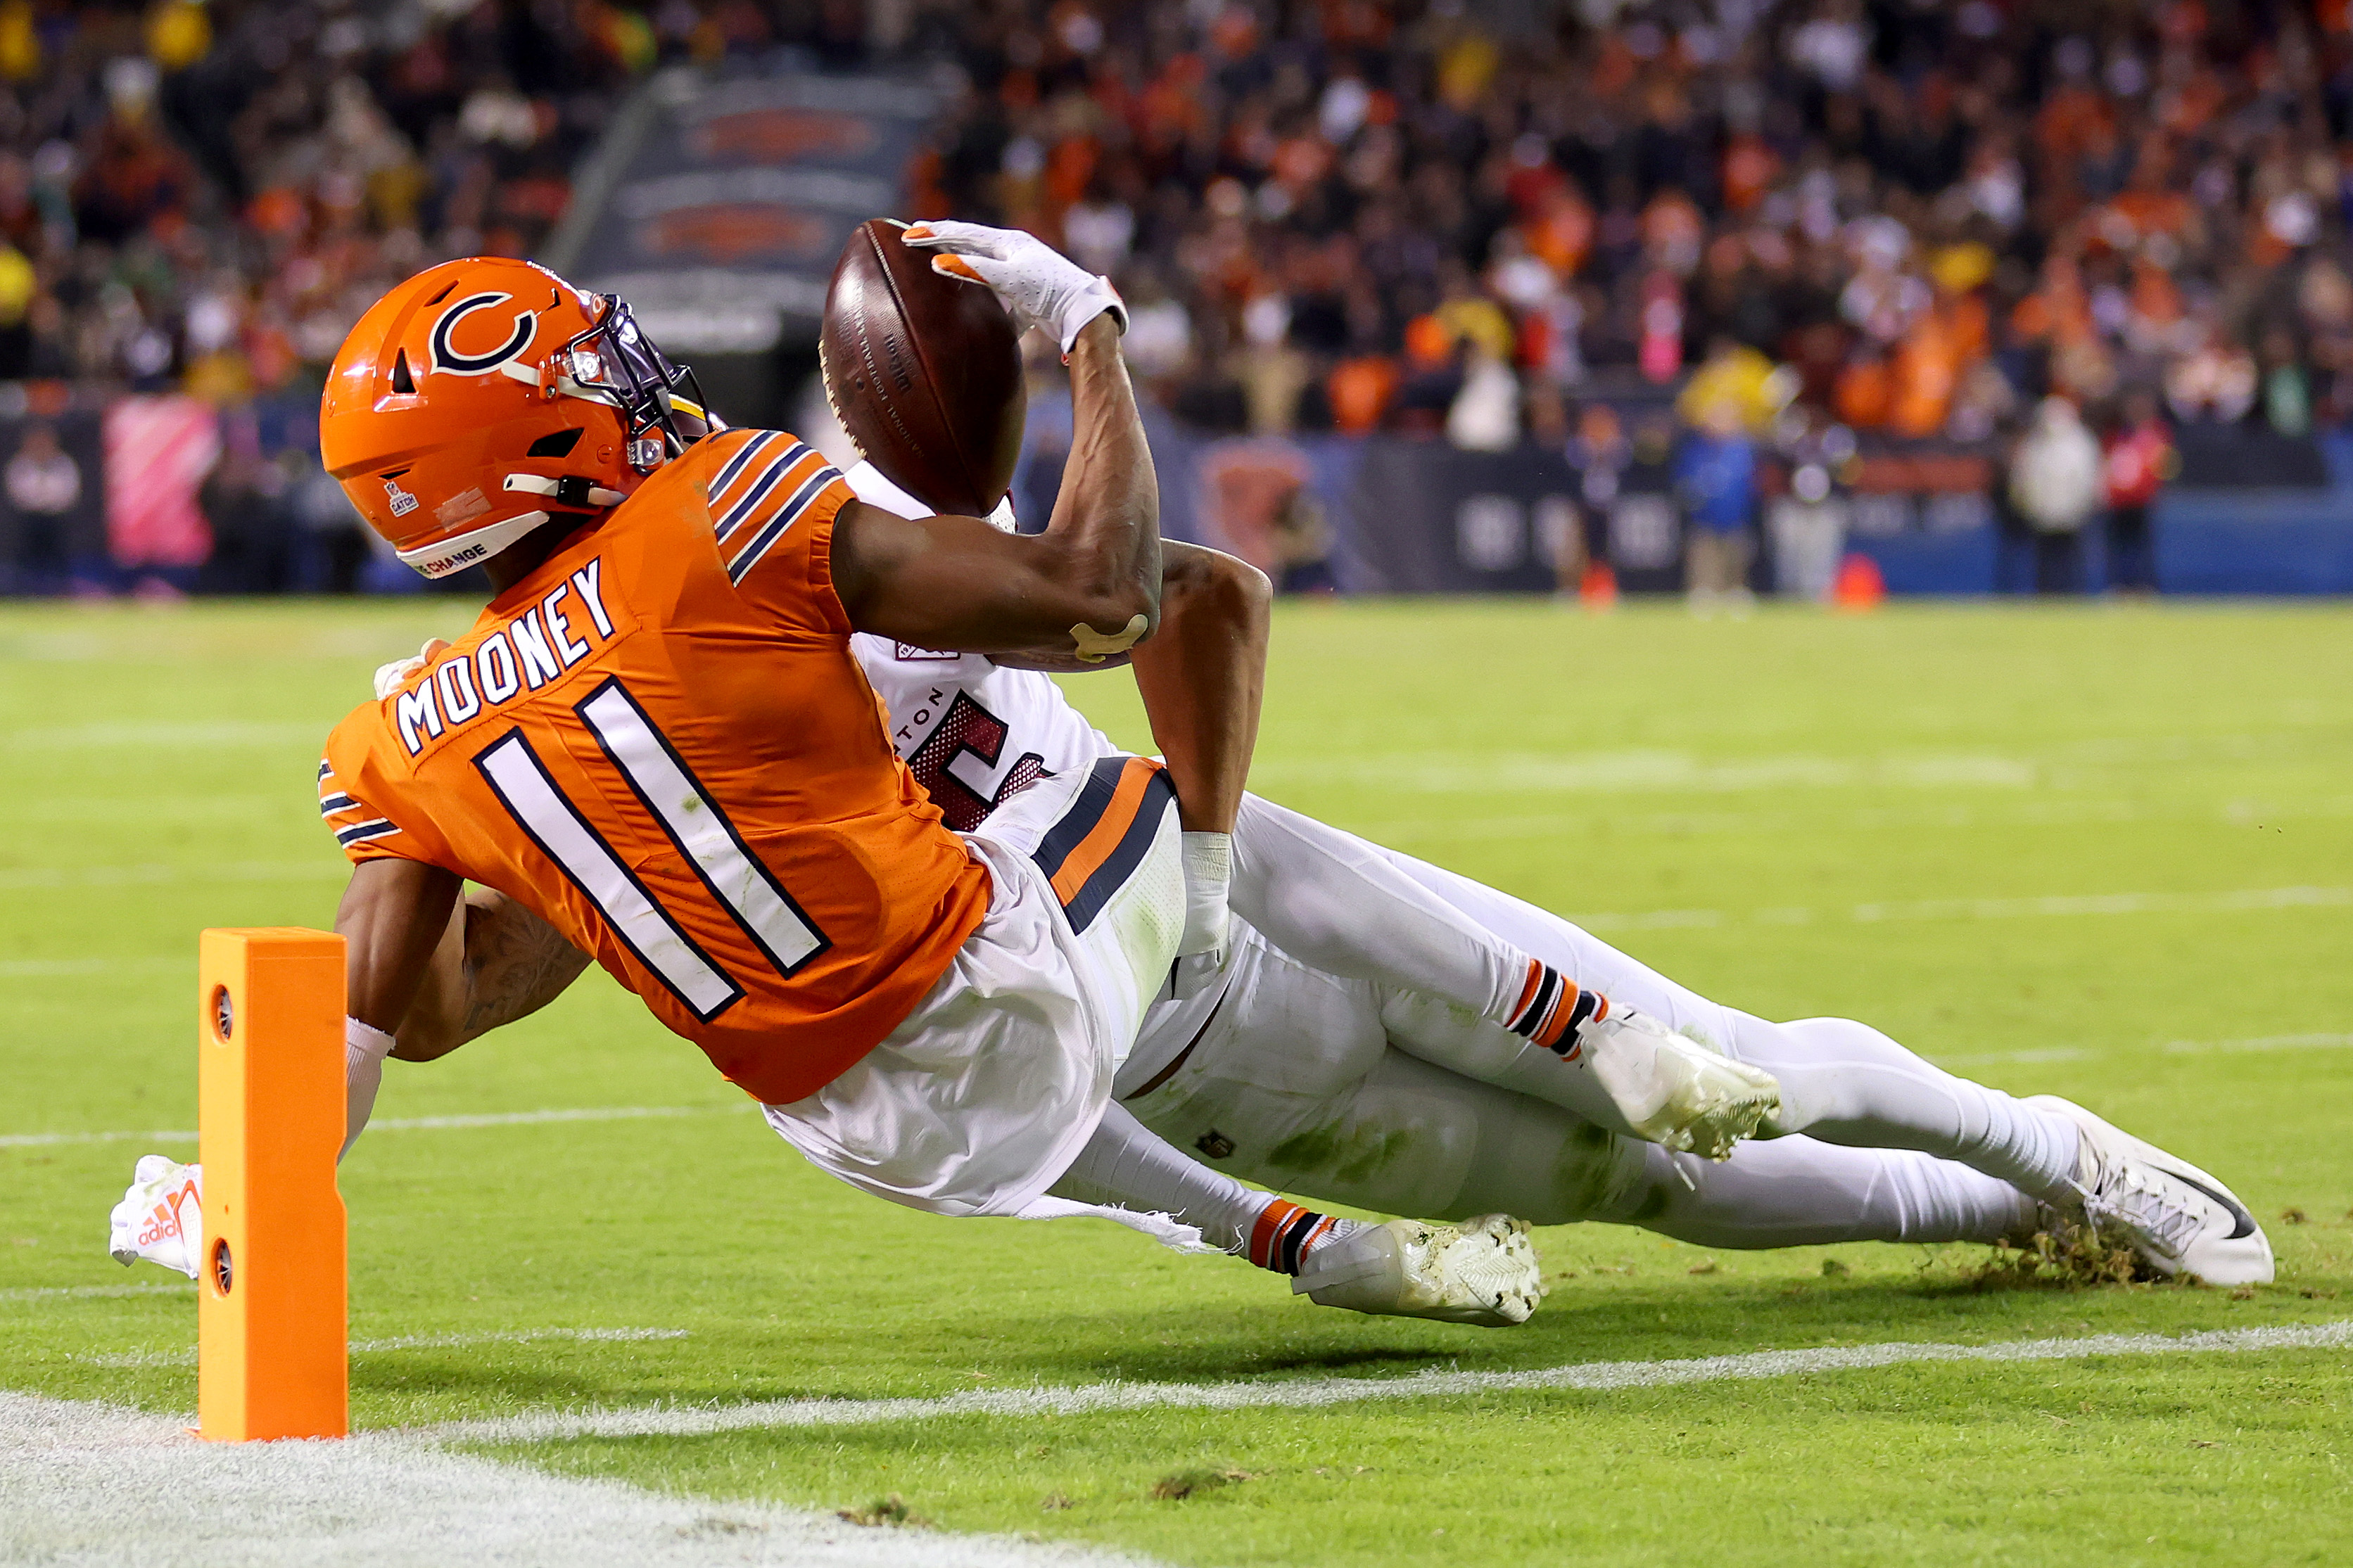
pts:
[1097, 299]
[1208, 860]
[364, 1048]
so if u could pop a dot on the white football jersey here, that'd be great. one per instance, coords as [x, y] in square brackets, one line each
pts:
[974, 732]
[971, 732]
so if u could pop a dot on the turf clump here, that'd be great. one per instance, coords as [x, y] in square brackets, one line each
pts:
[1191, 1483]
[890, 1510]
[2068, 1259]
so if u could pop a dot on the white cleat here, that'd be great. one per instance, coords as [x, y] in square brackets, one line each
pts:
[2181, 1220]
[1482, 1271]
[1677, 1092]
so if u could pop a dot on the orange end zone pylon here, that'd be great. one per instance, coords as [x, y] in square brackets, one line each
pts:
[272, 1346]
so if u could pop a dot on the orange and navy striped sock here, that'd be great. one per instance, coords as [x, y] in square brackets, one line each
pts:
[1285, 1231]
[1552, 1008]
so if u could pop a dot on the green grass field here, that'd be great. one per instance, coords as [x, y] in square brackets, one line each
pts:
[2104, 852]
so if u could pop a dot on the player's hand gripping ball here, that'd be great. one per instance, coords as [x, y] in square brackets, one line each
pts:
[1041, 286]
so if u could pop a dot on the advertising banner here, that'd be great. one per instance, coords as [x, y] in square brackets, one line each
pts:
[719, 201]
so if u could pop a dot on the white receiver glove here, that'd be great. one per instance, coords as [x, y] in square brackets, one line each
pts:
[364, 1049]
[162, 1217]
[1041, 286]
[391, 677]
[1208, 860]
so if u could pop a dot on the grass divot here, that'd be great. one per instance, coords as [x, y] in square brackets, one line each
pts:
[1191, 1483]
[2070, 1261]
[892, 1510]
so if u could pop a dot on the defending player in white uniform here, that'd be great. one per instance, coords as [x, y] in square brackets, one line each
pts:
[1341, 1052]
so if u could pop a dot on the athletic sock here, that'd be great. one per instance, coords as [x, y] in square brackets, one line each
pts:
[1285, 1233]
[1550, 1010]
[1126, 1164]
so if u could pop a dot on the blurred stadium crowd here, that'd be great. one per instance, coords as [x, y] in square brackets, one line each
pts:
[1808, 225]
[1344, 215]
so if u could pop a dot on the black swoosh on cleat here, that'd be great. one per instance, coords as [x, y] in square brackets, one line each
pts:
[2245, 1221]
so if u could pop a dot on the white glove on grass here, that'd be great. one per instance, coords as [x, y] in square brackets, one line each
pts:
[162, 1217]
[1209, 859]
[391, 677]
[1041, 286]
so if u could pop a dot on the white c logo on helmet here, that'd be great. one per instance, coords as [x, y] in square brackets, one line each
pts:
[446, 358]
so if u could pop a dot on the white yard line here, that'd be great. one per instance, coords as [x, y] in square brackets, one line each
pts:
[94, 1484]
[91, 1486]
[531, 1118]
[185, 1355]
[2012, 1058]
[42, 1292]
[404, 1124]
[199, 734]
[75, 968]
[1315, 1392]
[2261, 1043]
[2234, 901]
[50, 1140]
[324, 869]
[2171, 1048]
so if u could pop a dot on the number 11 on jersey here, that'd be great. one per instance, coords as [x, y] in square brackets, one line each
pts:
[696, 826]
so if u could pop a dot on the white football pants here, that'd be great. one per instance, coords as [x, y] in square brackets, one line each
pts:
[1378, 967]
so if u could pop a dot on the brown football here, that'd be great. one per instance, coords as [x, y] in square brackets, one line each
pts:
[925, 373]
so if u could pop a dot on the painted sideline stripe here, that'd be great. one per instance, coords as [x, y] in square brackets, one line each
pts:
[2234, 901]
[89, 1483]
[321, 869]
[62, 968]
[2262, 1043]
[186, 1356]
[2171, 1048]
[400, 1123]
[201, 734]
[1309, 1392]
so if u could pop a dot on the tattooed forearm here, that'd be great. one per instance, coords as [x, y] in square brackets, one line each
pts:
[516, 964]
[497, 963]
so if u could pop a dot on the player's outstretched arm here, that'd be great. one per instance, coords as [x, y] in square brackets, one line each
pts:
[1203, 677]
[496, 962]
[391, 921]
[1088, 586]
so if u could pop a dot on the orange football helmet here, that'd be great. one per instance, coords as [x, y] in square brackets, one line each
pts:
[480, 397]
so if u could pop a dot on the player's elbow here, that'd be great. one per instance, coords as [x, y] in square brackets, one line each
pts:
[1215, 587]
[1123, 615]
[1113, 599]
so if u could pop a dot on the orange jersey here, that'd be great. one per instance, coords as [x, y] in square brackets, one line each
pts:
[660, 743]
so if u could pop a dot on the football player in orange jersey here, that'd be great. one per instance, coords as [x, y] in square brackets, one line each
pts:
[655, 740]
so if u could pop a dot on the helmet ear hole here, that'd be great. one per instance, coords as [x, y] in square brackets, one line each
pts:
[402, 381]
[557, 445]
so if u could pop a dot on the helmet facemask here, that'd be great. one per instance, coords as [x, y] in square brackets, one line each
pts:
[616, 362]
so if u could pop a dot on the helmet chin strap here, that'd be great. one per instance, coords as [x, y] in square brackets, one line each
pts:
[571, 492]
[444, 556]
